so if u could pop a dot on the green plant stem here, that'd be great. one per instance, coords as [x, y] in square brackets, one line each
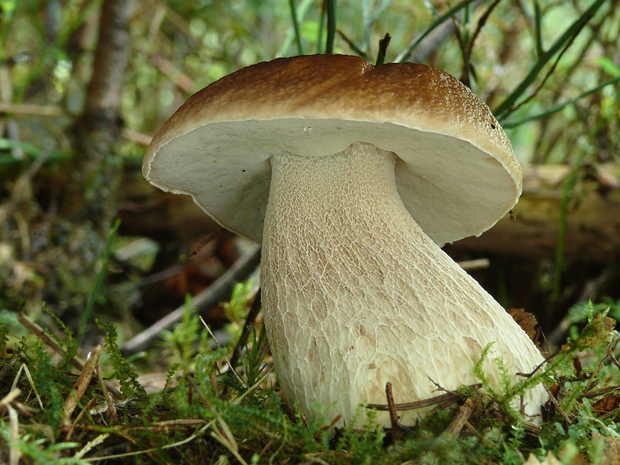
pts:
[538, 29]
[506, 107]
[406, 54]
[561, 106]
[481, 22]
[331, 26]
[95, 290]
[300, 13]
[319, 36]
[295, 22]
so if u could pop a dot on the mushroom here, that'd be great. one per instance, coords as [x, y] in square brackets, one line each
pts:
[352, 176]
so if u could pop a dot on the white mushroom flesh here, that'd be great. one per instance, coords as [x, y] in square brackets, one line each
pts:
[355, 294]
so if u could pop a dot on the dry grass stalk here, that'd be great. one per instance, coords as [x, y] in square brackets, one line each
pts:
[460, 419]
[80, 385]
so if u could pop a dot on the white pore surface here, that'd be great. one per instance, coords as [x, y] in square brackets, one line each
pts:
[452, 188]
[356, 295]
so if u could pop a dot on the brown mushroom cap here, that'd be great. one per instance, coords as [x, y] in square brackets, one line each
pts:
[456, 172]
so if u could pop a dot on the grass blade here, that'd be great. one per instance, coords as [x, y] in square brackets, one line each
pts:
[351, 44]
[295, 21]
[538, 31]
[300, 12]
[369, 17]
[406, 54]
[505, 108]
[95, 290]
[331, 26]
[561, 106]
[367, 20]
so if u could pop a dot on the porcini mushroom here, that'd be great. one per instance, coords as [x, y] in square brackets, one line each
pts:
[351, 175]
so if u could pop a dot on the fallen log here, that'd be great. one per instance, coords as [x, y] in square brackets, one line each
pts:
[592, 228]
[592, 221]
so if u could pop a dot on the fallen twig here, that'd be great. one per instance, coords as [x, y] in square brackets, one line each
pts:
[392, 410]
[80, 385]
[460, 419]
[41, 334]
[448, 396]
[76, 361]
[212, 295]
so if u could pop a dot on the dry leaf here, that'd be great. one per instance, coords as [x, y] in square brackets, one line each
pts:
[577, 366]
[607, 404]
[527, 321]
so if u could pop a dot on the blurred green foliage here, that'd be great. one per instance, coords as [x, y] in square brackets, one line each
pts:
[179, 47]
[548, 67]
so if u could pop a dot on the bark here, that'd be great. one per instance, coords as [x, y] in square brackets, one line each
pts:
[97, 170]
[69, 248]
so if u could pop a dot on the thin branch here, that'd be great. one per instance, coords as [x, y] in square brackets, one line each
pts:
[392, 410]
[460, 419]
[41, 334]
[449, 396]
[383, 45]
[212, 295]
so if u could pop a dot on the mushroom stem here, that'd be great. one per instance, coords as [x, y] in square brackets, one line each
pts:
[356, 295]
